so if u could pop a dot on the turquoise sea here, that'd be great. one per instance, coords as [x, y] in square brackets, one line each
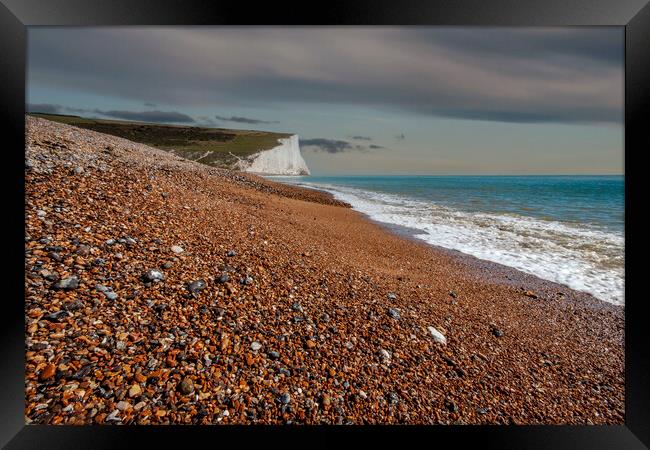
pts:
[567, 229]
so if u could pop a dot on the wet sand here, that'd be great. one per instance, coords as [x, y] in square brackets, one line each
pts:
[323, 319]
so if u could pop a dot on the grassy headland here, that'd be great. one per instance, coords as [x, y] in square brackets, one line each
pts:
[212, 146]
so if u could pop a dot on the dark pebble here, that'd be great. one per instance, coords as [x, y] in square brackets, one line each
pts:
[393, 398]
[196, 286]
[451, 406]
[153, 275]
[55, 316]
[67, 283]
[224, 278]
[186, 386]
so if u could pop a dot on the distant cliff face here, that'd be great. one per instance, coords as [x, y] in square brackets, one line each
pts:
[285, 159]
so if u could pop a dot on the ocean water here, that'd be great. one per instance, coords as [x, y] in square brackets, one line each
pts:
[567, 229]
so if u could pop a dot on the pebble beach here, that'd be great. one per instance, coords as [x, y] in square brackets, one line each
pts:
[162, 291]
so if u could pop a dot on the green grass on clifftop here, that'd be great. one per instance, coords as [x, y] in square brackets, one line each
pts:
[211, 146]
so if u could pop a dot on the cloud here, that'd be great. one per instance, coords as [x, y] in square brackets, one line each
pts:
[148, 116]
[206, 121]
[141, 116]
[244, 120]
[530, 75]
[362, 138]
[149, 104]
[327, 145]
[47, 108]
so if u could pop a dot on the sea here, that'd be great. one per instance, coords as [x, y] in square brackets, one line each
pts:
[566, 229]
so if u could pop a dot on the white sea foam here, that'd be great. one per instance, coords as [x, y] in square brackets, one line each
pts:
[581, 257]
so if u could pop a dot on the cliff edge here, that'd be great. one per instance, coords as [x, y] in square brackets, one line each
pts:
[284, 159]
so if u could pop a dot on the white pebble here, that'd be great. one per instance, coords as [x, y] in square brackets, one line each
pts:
[437, 335]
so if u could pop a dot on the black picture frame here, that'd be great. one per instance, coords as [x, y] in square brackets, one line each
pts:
[16, 15]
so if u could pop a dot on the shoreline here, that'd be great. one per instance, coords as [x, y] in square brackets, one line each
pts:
[509, 274]
[323, 318]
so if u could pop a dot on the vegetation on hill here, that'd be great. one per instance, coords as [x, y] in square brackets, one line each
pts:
[211, 146]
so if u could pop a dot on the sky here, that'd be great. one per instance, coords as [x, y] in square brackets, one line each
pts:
[364, 100]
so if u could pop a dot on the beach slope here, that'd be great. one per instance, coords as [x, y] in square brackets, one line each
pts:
[159, 290]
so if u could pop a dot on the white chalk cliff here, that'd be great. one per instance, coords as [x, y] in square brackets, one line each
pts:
[285, 159]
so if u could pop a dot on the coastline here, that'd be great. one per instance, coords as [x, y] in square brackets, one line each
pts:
[329, 291]
[498, 273]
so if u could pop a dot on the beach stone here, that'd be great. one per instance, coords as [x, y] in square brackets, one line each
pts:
[451, 405]
[231, 253]
[384, 355]
[48, 372]
[497, 332]
[50, 276]
[394, 313]
[392, 296]
[153, 275]
[68, 283]
[255, 346]
[196, 286]
[224, 278]
[73, 305]
[168, 265]
[437, 335]
[296, 307]
[55, 316]
[186, 386]
[135, 390]
[393, 398]
[101, 288]
[273, 354]
[285, 398]
[83, 250]
[452, 294]
[110, 295]
[177, 249]
[123, 405]
[114, 416]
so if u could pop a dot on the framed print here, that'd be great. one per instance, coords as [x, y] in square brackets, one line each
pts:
[357, 220]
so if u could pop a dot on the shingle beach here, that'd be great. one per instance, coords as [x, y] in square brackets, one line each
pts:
[162, 291]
